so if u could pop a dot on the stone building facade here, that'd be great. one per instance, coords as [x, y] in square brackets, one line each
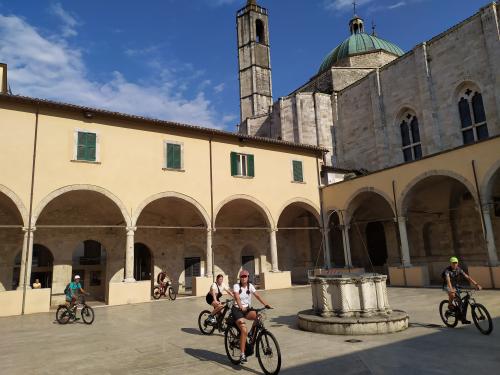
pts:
[366, 88]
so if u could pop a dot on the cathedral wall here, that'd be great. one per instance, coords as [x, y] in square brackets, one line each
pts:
[343, 77]
[372, 59]
[356, 129]
[457, 57]
[288, 119]
[306, 118]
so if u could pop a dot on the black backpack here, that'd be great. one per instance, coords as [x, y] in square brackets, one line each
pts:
[66, 290]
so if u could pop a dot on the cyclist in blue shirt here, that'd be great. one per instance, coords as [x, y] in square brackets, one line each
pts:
[73, 289]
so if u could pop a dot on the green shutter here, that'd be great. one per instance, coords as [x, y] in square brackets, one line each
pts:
[91, 146]
[250, 166]
[170, 155]
[234, 164]
[173, 156]
[86, 148]
[297, 171]
[177, 156]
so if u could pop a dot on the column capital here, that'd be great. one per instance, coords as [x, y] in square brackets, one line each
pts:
[210, 230]
[400, 219]
[28, 229]
[131, 229]
[271, 230]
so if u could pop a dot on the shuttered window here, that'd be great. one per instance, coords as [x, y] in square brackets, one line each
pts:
[86, 147]
[298, 175]
[242, 165]
[174, 156]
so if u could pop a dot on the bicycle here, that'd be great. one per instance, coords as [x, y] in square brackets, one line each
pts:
[163, 290]
[65, 313]
[268, 350]
[208, 328]
[480, 316]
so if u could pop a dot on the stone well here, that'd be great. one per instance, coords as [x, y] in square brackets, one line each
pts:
[351, 304]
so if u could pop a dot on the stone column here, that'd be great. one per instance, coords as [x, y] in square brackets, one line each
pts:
[405, 248]
[210, 267]
[347, 246]
[490, 238]
[326, 240]
[274, 250]
[129, 255]
[24, 258]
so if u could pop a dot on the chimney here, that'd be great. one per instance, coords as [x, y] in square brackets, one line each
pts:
[4, 87]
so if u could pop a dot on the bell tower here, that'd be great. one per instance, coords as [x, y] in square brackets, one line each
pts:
[254, 60]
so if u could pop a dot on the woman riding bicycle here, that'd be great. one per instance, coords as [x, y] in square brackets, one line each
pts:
[243, 292]
[214, 295]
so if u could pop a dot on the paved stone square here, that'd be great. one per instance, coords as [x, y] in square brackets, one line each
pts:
[162, 338]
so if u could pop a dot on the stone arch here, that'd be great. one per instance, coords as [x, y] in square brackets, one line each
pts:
[56, 193]
[257, 203]
[348, 209]
[304, 203]
[487, 182]
[463, 85]
[406, 192]
[406, 107]
[17, 202]
[171, 194]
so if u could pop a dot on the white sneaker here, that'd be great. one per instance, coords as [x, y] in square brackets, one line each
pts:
[243, 359]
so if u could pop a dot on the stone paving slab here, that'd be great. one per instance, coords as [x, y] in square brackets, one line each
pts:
[162, 338]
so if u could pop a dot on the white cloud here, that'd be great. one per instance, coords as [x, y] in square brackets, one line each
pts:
[397, 5]
[341, 5]
[69, 23]
[219, 88]
[47, 67]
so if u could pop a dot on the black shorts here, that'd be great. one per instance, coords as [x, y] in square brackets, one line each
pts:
[237, 313]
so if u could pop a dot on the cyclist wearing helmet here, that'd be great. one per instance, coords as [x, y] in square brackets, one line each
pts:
[72, 290]
[450, 275]
[243, 292]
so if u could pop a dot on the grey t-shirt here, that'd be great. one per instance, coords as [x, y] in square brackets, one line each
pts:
[454, 274]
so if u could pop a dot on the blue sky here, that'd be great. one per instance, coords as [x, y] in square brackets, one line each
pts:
[176, 59]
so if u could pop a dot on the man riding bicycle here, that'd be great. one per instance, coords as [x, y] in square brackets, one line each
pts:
[243, 292]
[73, 289]
[451, 275]
[214, 295]
[162, 278]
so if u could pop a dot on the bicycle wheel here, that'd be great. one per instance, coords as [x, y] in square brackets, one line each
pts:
[87, 314]
[205, 328]
[63, 315]
[448, 317]
[156, 292]
[172, 293]
[232, 344]
[482, 319]
[268, 353]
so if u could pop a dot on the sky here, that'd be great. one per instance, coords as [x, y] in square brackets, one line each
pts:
[177, 59]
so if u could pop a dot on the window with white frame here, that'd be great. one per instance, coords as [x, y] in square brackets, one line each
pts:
[173, 152]
[242, 165]
[86, 146]
[410, 137]
[472, 116]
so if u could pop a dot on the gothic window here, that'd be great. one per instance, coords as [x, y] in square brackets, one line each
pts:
[410, 138]
[472, 116]
[259, 31]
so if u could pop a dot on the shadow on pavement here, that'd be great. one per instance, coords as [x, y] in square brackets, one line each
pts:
[426, 354]
[206, 355]
[289, 320]
[194, 331]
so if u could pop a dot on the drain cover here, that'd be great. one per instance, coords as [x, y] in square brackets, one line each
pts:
[353, 341]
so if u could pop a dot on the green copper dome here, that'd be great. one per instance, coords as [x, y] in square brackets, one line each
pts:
[359, 42]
